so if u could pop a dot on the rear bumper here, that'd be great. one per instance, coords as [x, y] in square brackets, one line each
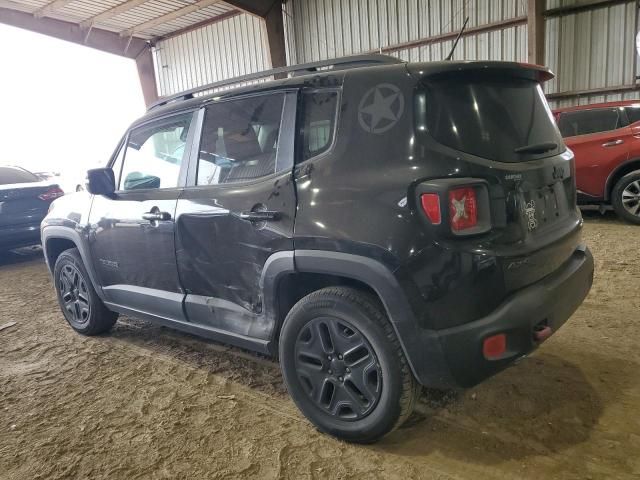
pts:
[453, 357]
[19, 235]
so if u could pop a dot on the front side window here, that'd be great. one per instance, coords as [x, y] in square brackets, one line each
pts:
[240, 140]
[584, 122]
[319, 117]
[154, 154]
[633, 113]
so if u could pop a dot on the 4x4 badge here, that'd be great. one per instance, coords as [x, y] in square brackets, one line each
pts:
[380, 108]
[530, 212]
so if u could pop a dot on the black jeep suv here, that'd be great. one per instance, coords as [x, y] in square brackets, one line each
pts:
[375, 224]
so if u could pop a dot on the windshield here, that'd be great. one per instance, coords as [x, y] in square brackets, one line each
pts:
[503, 119]
[11, 175]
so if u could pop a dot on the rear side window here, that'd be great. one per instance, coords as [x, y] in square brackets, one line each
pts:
[318, 122]
[489, 117]
[584, 122]
[634, 114]
[240, 140]
[10, 175]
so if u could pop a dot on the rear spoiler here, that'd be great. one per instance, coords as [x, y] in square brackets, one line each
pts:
[528, 71]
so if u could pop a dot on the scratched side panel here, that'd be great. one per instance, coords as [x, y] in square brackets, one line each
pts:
[221, 256]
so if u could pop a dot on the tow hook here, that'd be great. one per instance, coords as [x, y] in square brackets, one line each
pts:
[541, 333]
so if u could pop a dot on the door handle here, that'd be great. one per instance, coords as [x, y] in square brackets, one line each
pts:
[156, 216]
[613, 143]
[260, 215]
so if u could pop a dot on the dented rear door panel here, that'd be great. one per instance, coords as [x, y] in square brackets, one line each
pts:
[221, 255]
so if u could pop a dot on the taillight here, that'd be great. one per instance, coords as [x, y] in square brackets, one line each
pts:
[457, 207]
[431, 207]
[463, 208]
[51, 194]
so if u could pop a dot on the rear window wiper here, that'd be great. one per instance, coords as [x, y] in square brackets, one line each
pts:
[537, 147]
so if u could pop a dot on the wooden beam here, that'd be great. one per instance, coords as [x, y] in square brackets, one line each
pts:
[488, 27]
[50, 8]
[146, 74]
[582, 7]
[100, 39]
[112, 12]
[593, 91]
[535, 31]
[275, 35]
[258, 8]
[168, 17]
[196, 26]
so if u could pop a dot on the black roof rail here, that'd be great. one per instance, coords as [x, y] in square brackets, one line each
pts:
[334, 64]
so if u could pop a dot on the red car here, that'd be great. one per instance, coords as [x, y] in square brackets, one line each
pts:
[605, 139]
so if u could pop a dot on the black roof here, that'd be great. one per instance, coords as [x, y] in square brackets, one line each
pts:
[324, 73]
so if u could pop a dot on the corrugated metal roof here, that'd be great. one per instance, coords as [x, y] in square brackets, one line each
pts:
[142, 11]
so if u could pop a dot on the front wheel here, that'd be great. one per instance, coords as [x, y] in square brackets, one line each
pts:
[80, 304]
[343, 365]
[625, 197]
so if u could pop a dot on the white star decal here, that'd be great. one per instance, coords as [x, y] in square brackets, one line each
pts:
[380, 108]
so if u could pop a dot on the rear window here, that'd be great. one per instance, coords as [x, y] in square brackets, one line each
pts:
[489, 117]
[584, 122]
[10, 175]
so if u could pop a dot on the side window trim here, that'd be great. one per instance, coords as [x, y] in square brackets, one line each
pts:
[283, 149]
[300, 135]
[285, 153]
[182, 175]
[114, 158]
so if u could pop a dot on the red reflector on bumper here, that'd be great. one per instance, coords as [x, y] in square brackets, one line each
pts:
[495, 346]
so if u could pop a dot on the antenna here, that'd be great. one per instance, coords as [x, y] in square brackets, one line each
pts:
[455, 44]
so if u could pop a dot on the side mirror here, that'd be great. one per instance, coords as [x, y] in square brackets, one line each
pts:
[101, 181]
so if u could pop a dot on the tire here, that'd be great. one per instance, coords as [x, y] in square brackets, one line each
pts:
[624, 199]
[79, 302]
[355, 393]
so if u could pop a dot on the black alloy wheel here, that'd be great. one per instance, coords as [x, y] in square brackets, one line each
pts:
[74, 294]
[82, 307]
[338, 368]
[343, 365]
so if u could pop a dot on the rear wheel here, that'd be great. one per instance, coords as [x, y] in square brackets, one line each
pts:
[79, 302]
[625, 197]
[344, 367]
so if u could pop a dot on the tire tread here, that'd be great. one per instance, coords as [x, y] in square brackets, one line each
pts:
[375, 310]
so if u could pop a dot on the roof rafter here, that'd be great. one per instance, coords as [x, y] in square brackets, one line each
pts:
[112, 12]
[100, 39]
[50, 8]
[168, 17]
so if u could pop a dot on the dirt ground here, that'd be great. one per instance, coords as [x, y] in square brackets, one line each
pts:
[147, 402]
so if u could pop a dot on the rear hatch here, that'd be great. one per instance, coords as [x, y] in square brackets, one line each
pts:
[488, 126]
[24, 199]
